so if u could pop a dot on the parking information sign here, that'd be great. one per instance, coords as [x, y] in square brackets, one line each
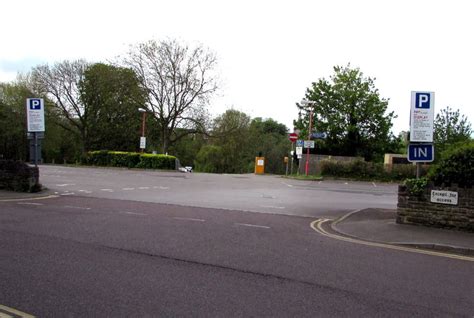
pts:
[35, 114]
[421, 116]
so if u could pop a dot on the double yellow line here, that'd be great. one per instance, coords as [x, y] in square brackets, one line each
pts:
[7, 312]
[317, 225]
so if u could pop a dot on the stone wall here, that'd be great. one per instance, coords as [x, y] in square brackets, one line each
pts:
[19, 176]
[420, 210]
[315, 162]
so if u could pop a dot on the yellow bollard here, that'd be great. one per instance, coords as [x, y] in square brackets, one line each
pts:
[259, 165]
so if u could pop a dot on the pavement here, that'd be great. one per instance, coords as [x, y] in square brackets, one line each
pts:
[370, 225]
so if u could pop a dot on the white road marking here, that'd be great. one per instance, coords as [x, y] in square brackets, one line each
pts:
[268, 196]
[189, 219]
[164, 188]
[253, 225]
[65, 184]
[85, 191]
[29, 203]
[287, 184]
[76, 207]
[128, 189]
[68, 193]
[143, 188]
[107, 190]
[132, 213]
[272, 207]
[374, 184]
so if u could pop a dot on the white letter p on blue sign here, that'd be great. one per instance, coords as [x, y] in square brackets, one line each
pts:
[422, 100]
[35, 104]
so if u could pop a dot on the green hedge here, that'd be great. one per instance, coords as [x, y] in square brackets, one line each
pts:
[456, 166]
[129, 160]
[362, 170]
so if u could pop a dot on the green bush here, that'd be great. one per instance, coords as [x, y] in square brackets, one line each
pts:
[415, 186]
[129, 160]
[209, 159]
[362, 170]
[456, 166]
[149, 161]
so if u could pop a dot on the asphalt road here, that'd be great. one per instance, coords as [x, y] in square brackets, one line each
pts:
[91, 256]
[248, 192]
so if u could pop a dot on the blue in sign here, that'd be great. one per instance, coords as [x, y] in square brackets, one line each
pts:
[420, 152]
[422, 100]
[35, 104]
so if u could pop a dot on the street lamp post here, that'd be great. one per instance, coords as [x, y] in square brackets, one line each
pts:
[142, 139]
[308, 103]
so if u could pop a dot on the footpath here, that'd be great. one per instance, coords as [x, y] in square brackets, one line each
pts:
[377, 225]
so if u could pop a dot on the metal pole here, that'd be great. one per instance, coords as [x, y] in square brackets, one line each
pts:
[309, 138]
[36, 148]
[418, 170]
[291, 155]
[143, 126]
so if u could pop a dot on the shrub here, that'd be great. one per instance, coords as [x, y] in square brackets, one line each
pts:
[456, 166]
[209, 159]
[415, 186]
[129, 160]
[363, 170]
[149, 161]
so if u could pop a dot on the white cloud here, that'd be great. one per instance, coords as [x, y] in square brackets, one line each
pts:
[269, 51]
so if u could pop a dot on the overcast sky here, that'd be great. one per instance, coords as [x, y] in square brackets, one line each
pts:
[269, 52]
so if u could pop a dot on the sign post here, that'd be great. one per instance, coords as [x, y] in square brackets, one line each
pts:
[35, 123]
[293, 138]
[421, 147]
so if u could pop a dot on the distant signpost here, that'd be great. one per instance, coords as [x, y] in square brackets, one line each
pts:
[293, 137]
[35, 126]
[421, 147]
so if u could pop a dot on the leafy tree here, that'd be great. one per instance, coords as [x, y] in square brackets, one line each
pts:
[179, 83]
[450, 127]
[13, 142]
[350, 110]
[112, 96]
[61, 84]
[231, 134]
[270, 139]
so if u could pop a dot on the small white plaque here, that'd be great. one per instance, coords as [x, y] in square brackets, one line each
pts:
[444, 197]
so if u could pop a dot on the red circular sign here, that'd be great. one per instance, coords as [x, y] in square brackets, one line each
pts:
[293, 137]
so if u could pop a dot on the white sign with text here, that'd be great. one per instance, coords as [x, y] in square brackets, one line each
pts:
[421, 116]
[444, 197]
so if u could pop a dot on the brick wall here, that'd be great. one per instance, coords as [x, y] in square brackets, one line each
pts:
[420, 210]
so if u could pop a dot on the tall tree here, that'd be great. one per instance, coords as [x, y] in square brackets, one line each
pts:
[179, 82]
[60, 83]
[270, 139]
[350, 110]
[450, 126]
[112, 95]
[13, 142]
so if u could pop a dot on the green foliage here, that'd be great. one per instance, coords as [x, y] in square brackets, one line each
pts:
[210, 159]
[129, 160]
[231, 134]
[13, 142]
[350, 110]
[416, 187]
[455, 166]
[111, 96]
[149, 161]
[450, 127]
[362, 170]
